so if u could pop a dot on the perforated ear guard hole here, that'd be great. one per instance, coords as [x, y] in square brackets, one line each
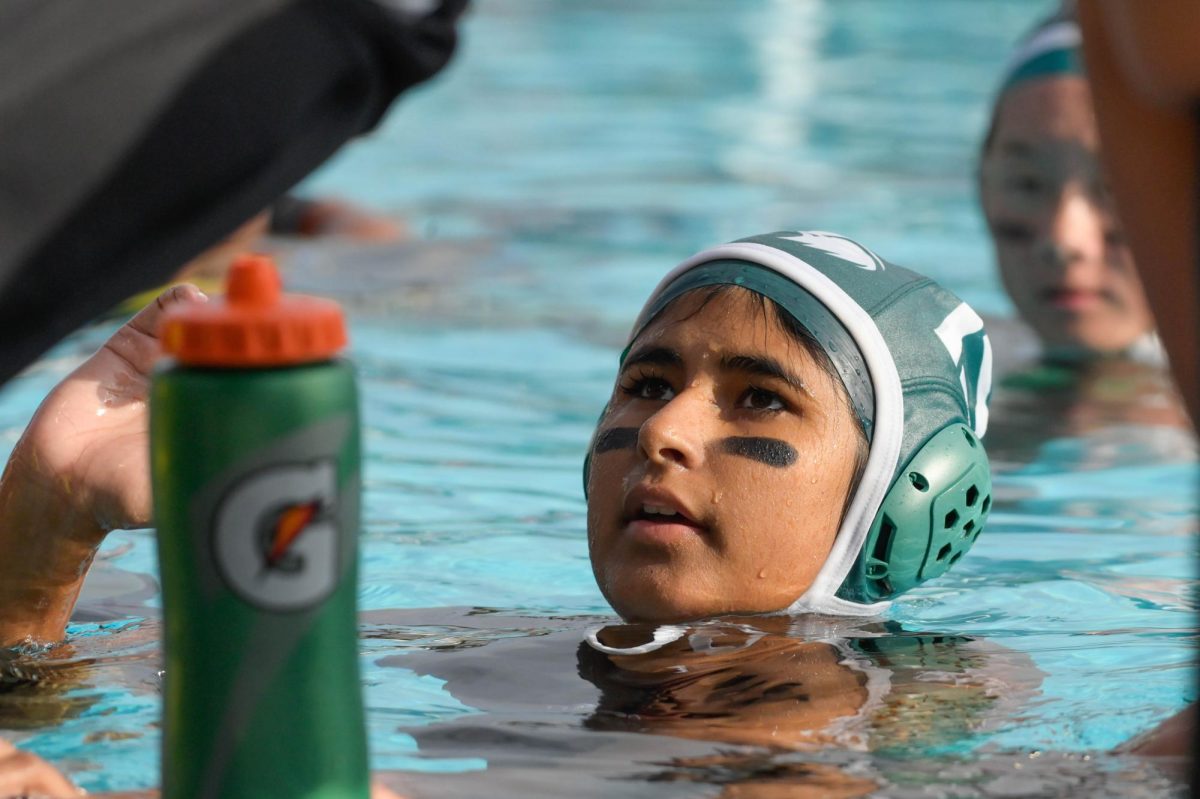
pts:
[932, 514]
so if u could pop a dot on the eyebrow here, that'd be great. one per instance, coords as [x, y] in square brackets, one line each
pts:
[765, 367]
[1018, 148]
[660, 356]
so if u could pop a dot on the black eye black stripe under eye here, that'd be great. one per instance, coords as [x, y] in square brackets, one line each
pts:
[616, 438]
[770, 451]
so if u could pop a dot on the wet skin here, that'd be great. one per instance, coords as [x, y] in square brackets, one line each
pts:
[1059, 246]
[731, 497]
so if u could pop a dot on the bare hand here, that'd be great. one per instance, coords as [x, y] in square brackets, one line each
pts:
[89, 438]
[82, 468]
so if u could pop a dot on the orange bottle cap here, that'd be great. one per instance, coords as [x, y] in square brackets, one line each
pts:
[254, 324]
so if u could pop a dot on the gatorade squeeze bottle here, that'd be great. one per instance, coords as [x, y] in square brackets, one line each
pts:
[255, 458]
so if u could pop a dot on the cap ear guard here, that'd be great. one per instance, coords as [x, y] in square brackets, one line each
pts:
[931, 515]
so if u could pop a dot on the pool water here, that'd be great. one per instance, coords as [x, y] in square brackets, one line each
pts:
[569, 156]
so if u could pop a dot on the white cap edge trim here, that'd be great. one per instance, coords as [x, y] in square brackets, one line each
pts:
[663, 634]
[1062, 35]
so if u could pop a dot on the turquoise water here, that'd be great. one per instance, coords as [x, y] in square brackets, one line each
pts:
[571, 154]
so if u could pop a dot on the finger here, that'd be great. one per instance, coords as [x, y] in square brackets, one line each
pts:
[137, 340]
[146, 320]
[25, 774]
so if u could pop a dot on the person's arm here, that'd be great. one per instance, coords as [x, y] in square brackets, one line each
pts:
[1155, 46]
[80, 470]
[1145, 85]
[133, 156]
[1144, 70]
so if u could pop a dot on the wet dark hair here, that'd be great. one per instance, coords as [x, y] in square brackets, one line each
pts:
[780, 316]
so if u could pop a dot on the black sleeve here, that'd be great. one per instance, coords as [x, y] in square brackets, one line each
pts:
[288, 213]
[254, 117]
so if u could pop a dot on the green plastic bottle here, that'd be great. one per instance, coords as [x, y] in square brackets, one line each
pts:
[256, 470]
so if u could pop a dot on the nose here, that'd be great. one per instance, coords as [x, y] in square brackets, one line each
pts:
[1074, 234]
[674, 434]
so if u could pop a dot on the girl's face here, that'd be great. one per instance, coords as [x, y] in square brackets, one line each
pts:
[721, 469]
[1059, 246]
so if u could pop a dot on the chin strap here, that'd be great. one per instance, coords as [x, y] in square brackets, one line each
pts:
[700, 640]
[663, 635]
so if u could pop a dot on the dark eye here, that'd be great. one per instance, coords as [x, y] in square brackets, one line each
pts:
[759, 399]
[1013, 232]
[1101, 193]
[648, 388]
[1115, 237]
[1025, 184]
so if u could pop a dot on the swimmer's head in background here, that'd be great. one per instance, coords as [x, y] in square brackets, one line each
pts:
[1059, 244]
[916, 364]
[1052, 49]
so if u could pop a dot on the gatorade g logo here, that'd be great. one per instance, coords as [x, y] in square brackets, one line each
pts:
[276, 537]
[964, 338]
[839, 247]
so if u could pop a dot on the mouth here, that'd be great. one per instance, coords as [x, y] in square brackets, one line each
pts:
[657, 518]
[1069, 299]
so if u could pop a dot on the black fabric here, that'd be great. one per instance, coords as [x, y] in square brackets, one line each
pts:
[287, 214]
[254, 119]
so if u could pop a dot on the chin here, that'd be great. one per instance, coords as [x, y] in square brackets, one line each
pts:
[639, 606]
[1095, 338]
[652, 607]
[661, 616]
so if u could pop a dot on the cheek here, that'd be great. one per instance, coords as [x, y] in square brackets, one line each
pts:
[1014, 264]
[785, 519]
[1126, 282]
[605, 488]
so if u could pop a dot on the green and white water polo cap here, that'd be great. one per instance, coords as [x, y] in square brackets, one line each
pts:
[917, 365]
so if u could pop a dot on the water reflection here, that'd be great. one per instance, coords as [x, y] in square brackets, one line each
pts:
[799, 683]
[1087, 416]
[761, 701]
[44, 687]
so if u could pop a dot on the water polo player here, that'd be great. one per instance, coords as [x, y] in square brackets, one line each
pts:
[795, 427]
[1059, 246]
